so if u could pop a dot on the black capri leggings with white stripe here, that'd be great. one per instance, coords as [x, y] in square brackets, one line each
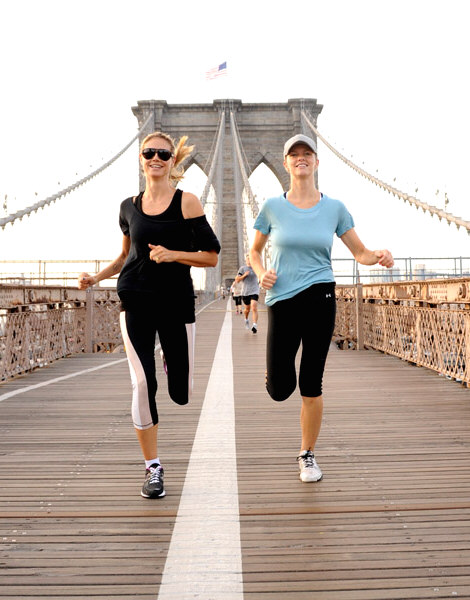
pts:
[139, 329]
[308, 319]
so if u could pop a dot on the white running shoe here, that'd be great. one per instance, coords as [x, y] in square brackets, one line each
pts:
[247, 324]
[309, 470]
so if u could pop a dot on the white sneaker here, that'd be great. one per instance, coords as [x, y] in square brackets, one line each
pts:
[247, 324]
[309, 470]
[254, 329]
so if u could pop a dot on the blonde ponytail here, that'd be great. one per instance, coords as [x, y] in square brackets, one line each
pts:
[181, 154]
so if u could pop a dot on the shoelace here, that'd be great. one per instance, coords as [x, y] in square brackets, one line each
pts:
[308, 460]
[155, 474]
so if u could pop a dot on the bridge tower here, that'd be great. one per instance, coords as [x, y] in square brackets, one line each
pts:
[262, 129]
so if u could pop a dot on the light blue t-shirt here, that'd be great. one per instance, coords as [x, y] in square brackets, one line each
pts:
[301, 242]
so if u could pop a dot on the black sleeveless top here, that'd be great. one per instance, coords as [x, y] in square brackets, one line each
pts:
[172, 212]
[164, 286]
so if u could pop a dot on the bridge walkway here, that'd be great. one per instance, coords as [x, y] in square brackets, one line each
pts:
[391, 518]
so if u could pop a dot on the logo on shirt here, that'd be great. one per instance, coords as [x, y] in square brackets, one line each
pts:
[328, 296]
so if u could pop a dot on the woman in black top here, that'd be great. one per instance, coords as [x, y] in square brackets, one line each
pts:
[165, 234]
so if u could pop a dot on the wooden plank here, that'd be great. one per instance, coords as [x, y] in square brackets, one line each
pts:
[74, 445]
[390, 520]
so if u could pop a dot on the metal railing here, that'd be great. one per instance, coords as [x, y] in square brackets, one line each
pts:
[424, 322]
[346, 270]
[49, 272]
[40, 324]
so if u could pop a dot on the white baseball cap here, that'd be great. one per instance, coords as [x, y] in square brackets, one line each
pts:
[299, 139]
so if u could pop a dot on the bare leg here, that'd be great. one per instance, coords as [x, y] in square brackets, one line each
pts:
[254, 309]
[311, 415]
[246, 310]
[148, 441]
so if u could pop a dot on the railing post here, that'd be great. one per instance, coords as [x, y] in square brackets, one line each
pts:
[359, 318]
[467, 348]
[89, 320]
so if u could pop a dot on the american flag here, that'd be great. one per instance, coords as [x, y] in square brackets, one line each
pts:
[217, 71]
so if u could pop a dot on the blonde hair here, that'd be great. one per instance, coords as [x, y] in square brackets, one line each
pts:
[180, 152]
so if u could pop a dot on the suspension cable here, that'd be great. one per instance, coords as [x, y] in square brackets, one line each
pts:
[433, 210]
[214, 140]
[251, 199]
[215, 180]
[243, 153]
[215, 158]
[242, 235]
[50, 199]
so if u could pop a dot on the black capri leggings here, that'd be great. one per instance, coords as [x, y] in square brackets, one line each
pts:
[307, 318]
[139, 329]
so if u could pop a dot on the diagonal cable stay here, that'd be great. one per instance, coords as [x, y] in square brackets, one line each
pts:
[217, 148]
[50, 199]
[433, 210]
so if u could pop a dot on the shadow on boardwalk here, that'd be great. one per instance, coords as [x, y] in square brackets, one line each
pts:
[391, 518]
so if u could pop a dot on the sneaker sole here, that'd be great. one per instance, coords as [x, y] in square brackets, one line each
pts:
[153, 496]
[311, 480]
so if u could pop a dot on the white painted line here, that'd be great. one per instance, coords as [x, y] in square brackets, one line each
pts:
[204, 558]
[57, 379]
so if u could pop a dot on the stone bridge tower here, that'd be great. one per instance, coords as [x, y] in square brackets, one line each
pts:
[262, 128]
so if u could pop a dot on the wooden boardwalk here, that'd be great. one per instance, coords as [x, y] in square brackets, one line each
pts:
[390, 520]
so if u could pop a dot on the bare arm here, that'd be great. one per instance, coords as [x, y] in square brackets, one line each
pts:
[267, 278]
[362, 254]
[239, 278]
[202, 258]
[191, 206]
[85, 280]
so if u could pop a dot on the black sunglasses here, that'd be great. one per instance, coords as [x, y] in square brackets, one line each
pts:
[162, 153]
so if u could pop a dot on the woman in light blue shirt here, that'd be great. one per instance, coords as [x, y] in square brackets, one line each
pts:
[301, 288]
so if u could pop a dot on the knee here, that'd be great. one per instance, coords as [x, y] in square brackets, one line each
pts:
[311, 394]
[312, 400]
[179, 396]
[180, 399]
[279, 394]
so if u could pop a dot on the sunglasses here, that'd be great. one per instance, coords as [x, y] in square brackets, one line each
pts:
[162, 153]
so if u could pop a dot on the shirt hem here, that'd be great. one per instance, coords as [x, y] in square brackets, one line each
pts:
[288, 295]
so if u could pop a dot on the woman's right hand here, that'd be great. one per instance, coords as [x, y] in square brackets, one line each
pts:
[85, 281]
[268, 279]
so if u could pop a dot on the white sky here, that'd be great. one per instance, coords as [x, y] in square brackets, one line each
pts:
[392, 77]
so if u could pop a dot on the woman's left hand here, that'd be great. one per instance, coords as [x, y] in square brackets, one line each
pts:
[161, 254]
[385, 258]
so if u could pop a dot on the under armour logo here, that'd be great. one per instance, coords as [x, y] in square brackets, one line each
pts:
[328, 296]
